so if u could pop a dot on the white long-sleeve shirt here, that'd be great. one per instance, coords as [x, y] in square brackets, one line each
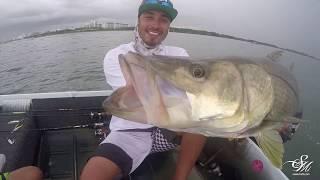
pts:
[115, 77]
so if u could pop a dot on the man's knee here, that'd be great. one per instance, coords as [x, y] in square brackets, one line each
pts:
[26, 173]
[116, 155]
[100, 168]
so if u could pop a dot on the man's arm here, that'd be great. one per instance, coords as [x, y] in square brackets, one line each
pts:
[190, 149]
[112, 70]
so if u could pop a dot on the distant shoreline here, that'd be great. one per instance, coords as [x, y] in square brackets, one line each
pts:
[172, 29]
[84, 29]
[68, 31]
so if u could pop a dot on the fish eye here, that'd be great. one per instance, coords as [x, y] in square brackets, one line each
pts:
[197, 71]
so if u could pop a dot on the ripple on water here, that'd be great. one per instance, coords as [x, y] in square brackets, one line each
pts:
[14, 69]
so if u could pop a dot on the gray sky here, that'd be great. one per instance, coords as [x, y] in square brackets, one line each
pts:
[290, 23]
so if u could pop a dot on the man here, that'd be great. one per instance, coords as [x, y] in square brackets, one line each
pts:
[129, 143]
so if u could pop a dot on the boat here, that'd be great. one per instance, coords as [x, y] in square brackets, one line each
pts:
[58, 132]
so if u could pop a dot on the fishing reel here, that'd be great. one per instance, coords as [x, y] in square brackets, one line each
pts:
[208, 165]
[100, 124]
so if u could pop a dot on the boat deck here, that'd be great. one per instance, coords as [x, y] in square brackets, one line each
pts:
[51, 138]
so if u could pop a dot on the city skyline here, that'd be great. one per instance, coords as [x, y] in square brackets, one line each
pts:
[91, 24]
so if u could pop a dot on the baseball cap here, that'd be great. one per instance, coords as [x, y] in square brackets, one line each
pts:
[165, 6]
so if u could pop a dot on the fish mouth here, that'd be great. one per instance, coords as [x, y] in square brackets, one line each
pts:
[136, 74]
[137, 99]
[124, 102]
[147, 97]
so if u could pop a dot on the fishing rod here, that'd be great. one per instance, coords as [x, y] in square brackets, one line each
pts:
[215, 34]
[38, 113]
[97, 122]
[100, 130]
[80, 126]
[18, 114]
[59, 109]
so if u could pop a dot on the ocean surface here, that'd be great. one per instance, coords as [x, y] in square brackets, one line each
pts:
[73, 62]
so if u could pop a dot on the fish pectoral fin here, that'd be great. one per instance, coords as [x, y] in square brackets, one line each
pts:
[291, 119]
[271, 144]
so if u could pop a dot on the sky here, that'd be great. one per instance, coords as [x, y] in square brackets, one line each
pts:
[292, 24]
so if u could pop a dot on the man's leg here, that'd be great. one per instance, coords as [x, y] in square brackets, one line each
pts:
[119, 154]
[26, 173]
[108, 162]
[190, 149]
[100, 168]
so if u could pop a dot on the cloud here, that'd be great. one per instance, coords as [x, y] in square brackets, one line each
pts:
[25, 16]
[24, 11]
[288, 23]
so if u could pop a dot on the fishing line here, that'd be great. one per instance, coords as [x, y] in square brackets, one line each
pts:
[305, 130]
[224, 36]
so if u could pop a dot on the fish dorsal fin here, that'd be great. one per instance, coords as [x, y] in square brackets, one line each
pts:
[271, 144]
[275, 55]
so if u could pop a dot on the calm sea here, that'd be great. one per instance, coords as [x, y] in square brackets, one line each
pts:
[73, 62]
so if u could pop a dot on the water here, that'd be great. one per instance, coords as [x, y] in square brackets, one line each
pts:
[55, 63]
[73, 62]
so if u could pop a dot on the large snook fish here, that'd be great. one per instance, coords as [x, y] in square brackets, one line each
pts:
[230, 97]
